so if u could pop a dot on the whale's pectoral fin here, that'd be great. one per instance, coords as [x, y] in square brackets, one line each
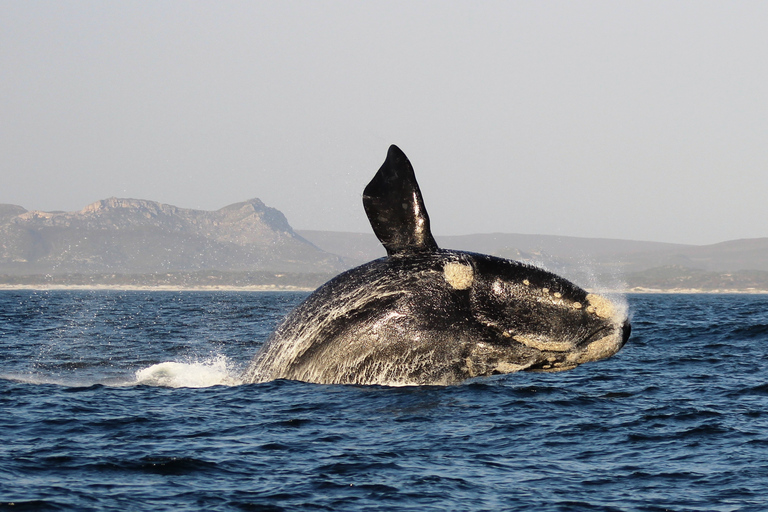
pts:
[395, 209]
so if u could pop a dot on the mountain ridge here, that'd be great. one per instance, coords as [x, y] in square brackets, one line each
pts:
[141, 239]
[628, 255]
[122, 235]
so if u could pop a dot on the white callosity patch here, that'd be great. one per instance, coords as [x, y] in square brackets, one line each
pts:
[608, 345]
[600, 349]
[459, 275]
[600, 306]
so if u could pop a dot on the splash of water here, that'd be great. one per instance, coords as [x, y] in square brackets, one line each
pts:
[214, 371]
[200, 374]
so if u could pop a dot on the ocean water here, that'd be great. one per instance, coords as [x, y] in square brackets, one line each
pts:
[130, 401]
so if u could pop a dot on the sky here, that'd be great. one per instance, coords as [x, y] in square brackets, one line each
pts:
[641, 120]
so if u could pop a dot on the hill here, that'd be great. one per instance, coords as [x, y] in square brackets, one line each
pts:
[132, 236]
[737, 265]
[132, 242]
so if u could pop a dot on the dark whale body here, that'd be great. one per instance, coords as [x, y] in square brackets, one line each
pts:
[429, 316]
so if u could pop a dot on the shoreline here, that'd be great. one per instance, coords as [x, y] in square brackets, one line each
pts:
[693, 291]
[288, 288]
[157, 288]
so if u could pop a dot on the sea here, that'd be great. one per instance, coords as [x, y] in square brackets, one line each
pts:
[131, 400]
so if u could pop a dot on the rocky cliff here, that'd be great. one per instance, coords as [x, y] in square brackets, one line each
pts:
[137, 236]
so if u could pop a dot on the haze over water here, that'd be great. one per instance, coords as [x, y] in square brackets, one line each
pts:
[640, 121]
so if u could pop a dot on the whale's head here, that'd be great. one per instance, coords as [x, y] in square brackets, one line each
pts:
[532, 319]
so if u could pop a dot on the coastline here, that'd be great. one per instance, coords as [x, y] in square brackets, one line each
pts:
[158, 288]
[691, 291]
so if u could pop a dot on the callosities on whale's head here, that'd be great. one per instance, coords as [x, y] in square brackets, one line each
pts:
[537, 320]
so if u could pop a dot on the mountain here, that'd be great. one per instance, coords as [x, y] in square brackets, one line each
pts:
[124, 242]
[133, 236]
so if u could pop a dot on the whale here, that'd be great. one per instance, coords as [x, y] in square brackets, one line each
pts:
[423, 315]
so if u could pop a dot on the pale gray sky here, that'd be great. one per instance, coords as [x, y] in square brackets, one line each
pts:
[643, 120]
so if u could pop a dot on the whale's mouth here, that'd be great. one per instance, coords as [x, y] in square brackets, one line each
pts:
[550, 367]
[597, 336]
[601, 344]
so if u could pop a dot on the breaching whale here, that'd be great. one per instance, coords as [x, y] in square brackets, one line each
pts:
[429, 316]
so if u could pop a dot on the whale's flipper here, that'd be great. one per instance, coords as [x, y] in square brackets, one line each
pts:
[395, 209]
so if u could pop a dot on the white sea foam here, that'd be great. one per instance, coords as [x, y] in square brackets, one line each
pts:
[217, 371]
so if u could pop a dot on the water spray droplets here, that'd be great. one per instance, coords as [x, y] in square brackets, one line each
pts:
[201, 374]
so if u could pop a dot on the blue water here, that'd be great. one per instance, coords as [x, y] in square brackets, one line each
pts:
[129, 401]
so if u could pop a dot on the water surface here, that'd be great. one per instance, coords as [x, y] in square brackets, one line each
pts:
[130, 401]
